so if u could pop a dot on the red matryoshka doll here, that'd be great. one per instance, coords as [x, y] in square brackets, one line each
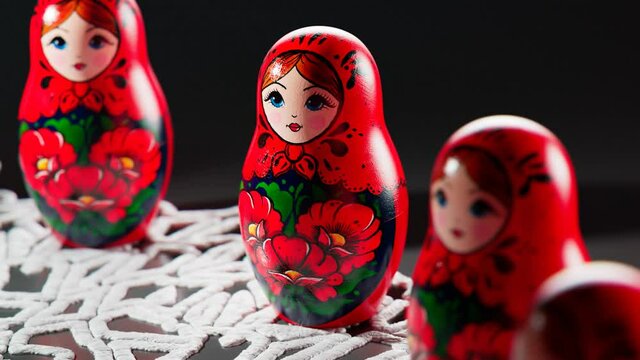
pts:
[588, 312]
[323, 201]
[95, 134]
[504, 217]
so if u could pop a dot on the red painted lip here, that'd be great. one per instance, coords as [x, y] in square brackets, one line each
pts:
[457, 233]
[80, 66]
[295, 127]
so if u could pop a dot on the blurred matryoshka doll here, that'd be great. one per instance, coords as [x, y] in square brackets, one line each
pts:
[588, 312]
[95, 132]
[504, 217]
[323, 201]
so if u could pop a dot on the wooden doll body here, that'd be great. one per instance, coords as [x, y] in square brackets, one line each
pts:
[587, 312]
[323, 202]
[503, 218]
[95, 132]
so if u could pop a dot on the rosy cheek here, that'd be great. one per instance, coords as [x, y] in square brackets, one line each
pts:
[482, 231]
[316, 121]
[99, 59]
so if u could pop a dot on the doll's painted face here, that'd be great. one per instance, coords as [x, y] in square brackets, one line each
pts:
[297, 109]
[465, 217]
[78, 50]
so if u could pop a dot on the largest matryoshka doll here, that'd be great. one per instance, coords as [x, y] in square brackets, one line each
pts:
[504, 217]
[95, 132]
[323, 201]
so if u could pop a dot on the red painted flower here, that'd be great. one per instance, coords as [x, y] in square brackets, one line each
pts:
[294, 261]
[260, 220]
[43, 153]
[88, 188]
[480, 341]
[351, 232]
[421, 336]
[134, 154]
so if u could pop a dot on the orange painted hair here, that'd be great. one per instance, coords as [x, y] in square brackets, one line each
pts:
[485, 170]
[311, 66]
[91, 11]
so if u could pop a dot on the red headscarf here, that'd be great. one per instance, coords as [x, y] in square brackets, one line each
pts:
[541, 234]
[355, 150]
[116, 90]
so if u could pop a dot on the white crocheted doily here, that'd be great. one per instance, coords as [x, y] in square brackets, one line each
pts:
[203, 290]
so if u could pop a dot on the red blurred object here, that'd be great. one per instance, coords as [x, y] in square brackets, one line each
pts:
[92, 102]
[504, 217]
[322, 159]
[588, 312]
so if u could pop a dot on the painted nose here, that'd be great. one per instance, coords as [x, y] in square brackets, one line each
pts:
[294, 116]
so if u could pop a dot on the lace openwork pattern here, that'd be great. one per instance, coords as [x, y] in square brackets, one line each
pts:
[201, 286]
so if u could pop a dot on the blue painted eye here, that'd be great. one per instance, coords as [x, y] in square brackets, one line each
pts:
[97, 42]
[481, 208]
[441, 198]
[276, 99]
[315, 103]
[59, 43]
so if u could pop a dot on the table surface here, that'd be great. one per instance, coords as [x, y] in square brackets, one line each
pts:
[623, 246]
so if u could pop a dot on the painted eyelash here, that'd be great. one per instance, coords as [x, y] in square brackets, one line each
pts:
[489, 207]
[270, 94]
[54, 39]
[104, 38]
[327, 101]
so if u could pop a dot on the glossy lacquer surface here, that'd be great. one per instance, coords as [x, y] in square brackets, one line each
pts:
[504, 217]
[323, 200]
[95, 132]
[588, 312]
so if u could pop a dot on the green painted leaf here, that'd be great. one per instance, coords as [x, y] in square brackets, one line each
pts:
[24, 127]
[283, 203]
[442, 318]
[327, 308]
[376, 208]
[106, 123]
[449, 313]
[298, 198]
[73, 134]
[352, 280]
[137, 205]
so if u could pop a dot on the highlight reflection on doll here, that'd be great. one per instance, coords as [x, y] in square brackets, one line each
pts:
[302, 95]
[79, 39]
[470, 200]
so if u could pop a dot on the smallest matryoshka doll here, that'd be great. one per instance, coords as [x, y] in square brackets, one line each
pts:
[589, 312]
[504, 217]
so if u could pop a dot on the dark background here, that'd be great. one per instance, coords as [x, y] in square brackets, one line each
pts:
[572, 65]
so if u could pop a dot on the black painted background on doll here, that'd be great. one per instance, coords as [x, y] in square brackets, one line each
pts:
[572, 65]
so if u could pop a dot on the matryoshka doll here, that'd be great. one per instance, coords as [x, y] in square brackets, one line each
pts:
[504, 217]
[588, 312]
[323, 201]
[95, 133]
